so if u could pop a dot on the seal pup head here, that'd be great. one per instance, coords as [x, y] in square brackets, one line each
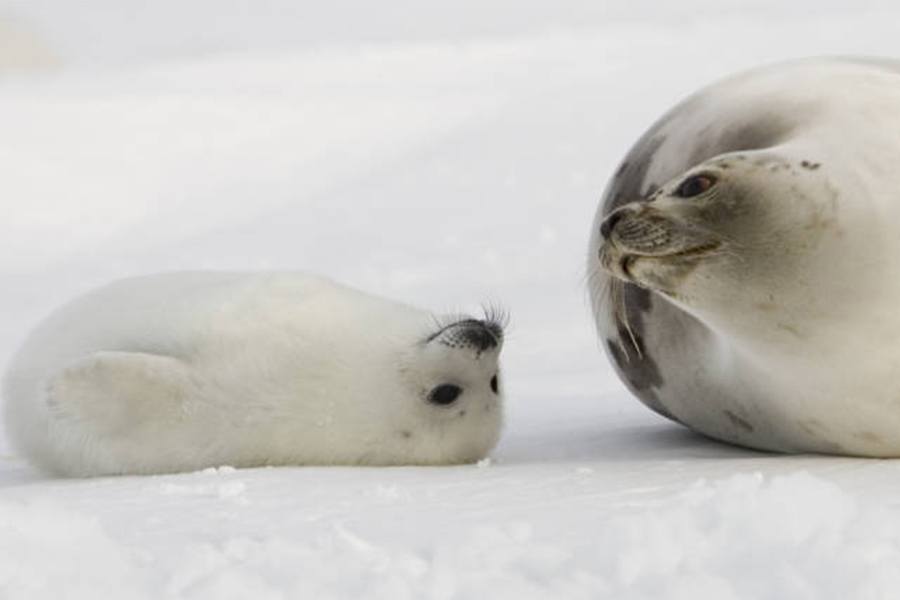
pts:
[453, 376]
[734, 236]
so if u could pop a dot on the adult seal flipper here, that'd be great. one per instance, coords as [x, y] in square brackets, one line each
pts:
[744, 260]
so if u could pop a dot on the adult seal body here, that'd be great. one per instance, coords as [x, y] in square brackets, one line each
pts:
[177, 372]
[745, 260]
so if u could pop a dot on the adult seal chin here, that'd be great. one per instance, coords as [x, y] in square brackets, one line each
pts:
[180, 371]
[744, 260]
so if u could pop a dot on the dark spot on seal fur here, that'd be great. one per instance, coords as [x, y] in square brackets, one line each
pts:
[628, 184]
[868, 437]
[738, 421]
[815, 429]
[812, 166]
[754, 135]
[406, 434]
[640, 373]
[790, 329]
[462, 413]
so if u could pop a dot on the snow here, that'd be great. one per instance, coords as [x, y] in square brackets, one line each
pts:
[448, 157]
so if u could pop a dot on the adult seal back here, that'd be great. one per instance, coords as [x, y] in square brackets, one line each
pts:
[745, 260]
[176, 372]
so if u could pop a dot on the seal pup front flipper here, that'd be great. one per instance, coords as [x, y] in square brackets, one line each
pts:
[119, 398]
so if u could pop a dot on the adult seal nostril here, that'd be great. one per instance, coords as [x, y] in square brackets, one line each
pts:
[610, 222]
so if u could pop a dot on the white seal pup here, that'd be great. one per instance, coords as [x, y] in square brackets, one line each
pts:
[745, 260]
[176, 372]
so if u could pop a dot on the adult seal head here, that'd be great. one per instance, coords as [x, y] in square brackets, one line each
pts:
[177, 372]
[745, 260]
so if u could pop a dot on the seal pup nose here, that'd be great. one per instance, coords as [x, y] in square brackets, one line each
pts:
[480, 336]
[471, 333]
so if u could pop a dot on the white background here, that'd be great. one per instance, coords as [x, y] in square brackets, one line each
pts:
[448, 154]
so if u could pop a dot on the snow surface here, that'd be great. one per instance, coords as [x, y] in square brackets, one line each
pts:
[446, 154]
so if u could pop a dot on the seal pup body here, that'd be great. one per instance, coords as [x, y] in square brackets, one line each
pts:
[745, 260]
[177, 372]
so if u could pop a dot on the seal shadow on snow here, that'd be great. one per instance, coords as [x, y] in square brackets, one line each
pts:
[577, 439]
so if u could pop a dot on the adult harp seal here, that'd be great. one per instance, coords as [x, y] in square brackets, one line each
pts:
[745, 260]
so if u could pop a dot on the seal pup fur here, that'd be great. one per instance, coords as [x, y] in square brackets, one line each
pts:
[177, 372]
[745, 260]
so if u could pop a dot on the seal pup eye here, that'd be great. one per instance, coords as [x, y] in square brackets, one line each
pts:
[444, 394]
[695, 185]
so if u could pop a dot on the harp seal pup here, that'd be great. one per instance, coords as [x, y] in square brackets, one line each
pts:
[745, 260]
[176, 372]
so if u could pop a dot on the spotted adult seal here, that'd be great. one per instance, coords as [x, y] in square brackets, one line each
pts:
[745, 260]
[176, 372]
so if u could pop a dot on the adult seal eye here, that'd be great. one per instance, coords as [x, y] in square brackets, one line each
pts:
[695, 185]
[444, 394]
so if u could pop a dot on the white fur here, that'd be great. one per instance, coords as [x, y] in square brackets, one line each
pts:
[177, 372]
